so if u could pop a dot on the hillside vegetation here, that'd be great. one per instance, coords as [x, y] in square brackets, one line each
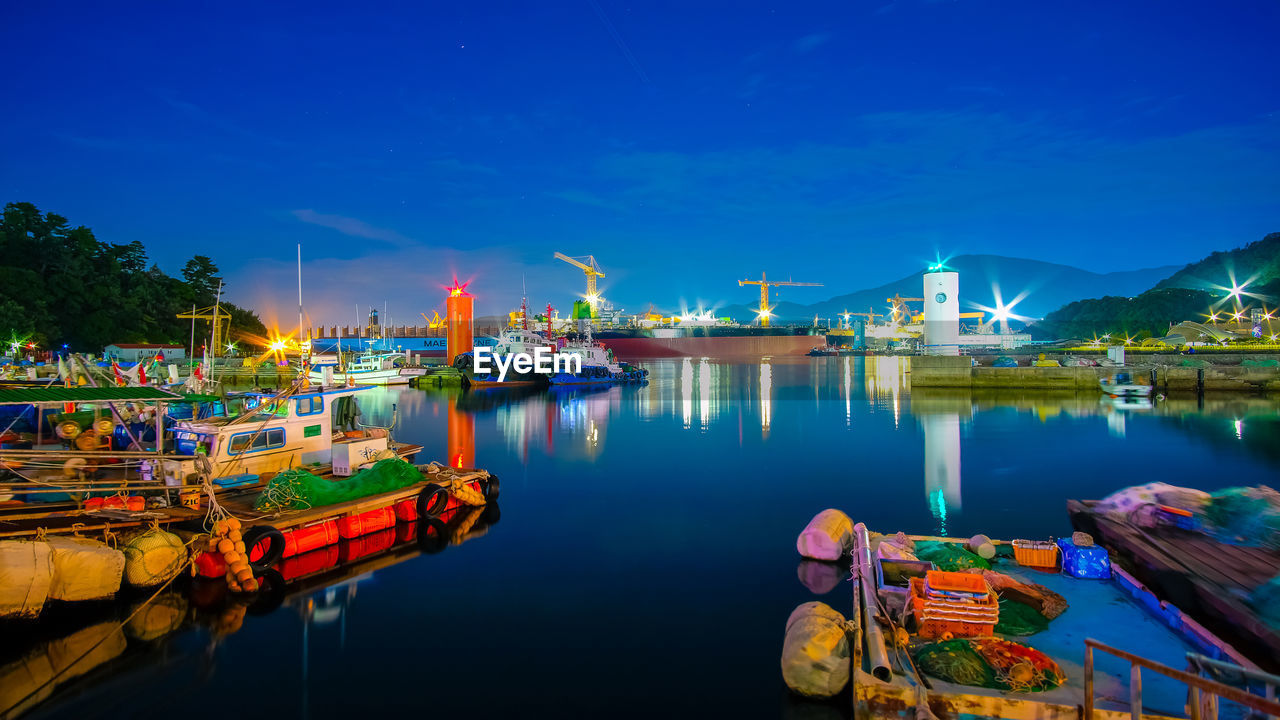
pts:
[1258, 261]
[1189, 294]
[61, 285]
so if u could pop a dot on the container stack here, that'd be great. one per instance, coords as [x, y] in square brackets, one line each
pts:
[958, 604]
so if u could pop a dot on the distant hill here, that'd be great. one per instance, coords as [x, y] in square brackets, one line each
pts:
[1048, 286]
[1187, 294]
[1259, 261]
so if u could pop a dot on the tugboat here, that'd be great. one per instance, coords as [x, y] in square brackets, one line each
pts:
[598, 365]
[514, 341]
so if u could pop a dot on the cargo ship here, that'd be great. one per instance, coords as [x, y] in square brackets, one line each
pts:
[637, 343]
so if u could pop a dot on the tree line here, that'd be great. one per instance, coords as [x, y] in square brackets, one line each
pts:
[60, 285]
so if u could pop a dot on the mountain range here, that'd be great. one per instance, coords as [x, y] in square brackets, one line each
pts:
[1047, 286]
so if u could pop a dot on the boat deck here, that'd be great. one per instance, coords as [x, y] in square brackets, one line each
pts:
[1115, 612]
[1209, 579]
[27, 519]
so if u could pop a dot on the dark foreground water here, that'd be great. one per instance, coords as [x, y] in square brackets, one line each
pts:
[644, 561]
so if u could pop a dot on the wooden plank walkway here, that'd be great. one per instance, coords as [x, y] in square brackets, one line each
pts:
[1208, 579]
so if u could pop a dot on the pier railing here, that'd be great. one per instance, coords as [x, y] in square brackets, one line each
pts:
[1202, 690]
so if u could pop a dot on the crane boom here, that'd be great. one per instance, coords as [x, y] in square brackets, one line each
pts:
[764, 284]
[592, 270]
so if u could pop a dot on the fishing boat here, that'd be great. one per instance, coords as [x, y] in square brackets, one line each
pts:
[123, 440]
[1122, 384]
[1028, 633]
[368, 368]
[1216, 553]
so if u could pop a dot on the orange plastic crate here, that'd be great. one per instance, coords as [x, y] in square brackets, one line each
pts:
[957, 582]
[1035, 553]
[935, 618]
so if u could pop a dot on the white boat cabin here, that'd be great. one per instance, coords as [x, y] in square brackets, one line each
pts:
[275, 434]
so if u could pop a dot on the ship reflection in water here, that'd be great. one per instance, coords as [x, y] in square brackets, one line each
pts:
[637, 514]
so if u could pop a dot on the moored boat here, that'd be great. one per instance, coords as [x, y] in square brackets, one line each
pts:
[978, 628]
[1122, 384]
[515, 341]
[369, 368]
[597, 365]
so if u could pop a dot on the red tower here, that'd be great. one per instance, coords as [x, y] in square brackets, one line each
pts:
[458, 311]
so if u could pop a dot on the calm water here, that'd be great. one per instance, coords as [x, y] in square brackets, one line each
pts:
[645, 562]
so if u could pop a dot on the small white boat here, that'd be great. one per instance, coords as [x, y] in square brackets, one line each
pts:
[370, 368]
[1123, 385]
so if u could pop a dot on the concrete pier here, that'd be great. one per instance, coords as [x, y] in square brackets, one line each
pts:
[958, 372]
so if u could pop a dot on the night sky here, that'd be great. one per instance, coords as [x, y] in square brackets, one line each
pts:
[686, 145]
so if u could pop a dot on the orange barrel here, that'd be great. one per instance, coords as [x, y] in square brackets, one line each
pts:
[210, 565]
[366, 522]
[366, 545]
[407, 509]
[310, 537]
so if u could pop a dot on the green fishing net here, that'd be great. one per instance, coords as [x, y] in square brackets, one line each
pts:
[298, 489]
[949, 556]
[956, 661]
[1266, 601]
[1020, 619]
[1245, 516]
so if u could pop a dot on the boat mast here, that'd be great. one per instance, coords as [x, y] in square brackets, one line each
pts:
[300, 294]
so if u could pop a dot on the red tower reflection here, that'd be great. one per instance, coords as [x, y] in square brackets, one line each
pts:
[462, 437]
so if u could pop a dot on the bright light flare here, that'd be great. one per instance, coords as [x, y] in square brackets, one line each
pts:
[1002, 312]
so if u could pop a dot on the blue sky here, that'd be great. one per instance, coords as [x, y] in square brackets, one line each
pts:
[685, 147]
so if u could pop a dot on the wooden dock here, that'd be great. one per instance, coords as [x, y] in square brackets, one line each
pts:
[25, 519]
[1207, 579]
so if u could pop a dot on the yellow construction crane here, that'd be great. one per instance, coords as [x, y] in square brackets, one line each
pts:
[764, 293]
[215, 315]
[900, 309]
[433, 323]
[870, 315]
[592, 270]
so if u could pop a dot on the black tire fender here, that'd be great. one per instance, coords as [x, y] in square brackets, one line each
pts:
[432, 501]
[433, 535]
[491, 488]
[271, 587]
[271, 553]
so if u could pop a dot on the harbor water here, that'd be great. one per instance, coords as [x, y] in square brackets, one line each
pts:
[644, 562]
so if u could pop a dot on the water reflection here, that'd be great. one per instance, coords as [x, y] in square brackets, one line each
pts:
[595, 534]
[886, 378]
[189, 632]
[766, 397]
[940, 418]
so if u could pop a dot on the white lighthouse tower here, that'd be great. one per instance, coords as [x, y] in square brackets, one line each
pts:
[941, 312]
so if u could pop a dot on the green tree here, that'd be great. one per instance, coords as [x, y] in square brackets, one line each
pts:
[60, 284]
[202, 277]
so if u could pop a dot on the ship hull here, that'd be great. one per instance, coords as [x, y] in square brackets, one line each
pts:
[727, 346]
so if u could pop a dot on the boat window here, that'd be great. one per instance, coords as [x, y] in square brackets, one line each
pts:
[189, 443]
[310, 405]
[255, 441]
